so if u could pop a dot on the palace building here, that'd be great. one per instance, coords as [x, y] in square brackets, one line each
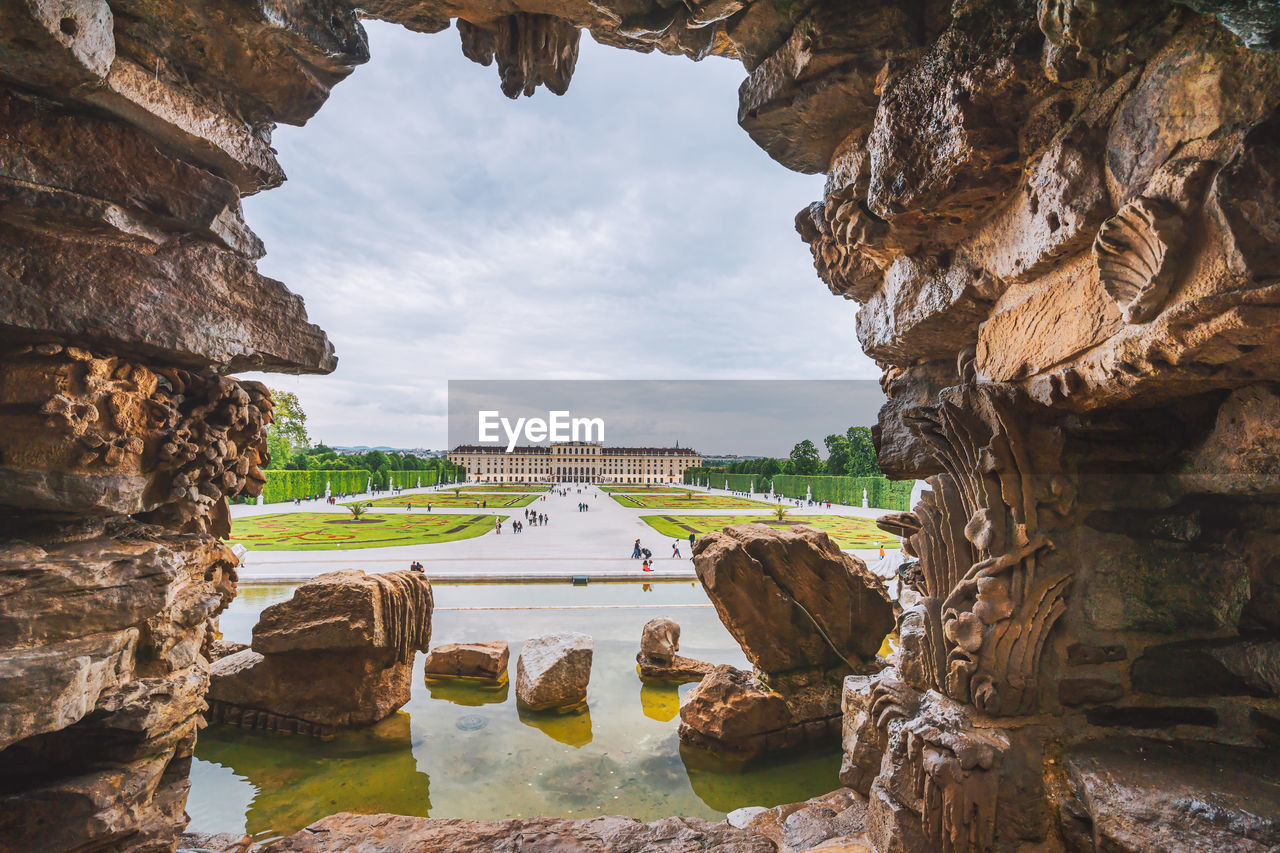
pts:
[575, 462]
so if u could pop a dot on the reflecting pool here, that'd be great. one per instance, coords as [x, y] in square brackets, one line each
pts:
[461, 750]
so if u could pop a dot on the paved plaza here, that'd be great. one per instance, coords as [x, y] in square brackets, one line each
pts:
[597, 543]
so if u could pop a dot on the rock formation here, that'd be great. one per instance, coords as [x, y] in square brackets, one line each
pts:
[1058, 219]
[657, 658]
[468, 660]
[806, 614]
[338, 654]
[553, 671]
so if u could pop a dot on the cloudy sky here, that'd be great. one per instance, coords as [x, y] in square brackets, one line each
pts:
[628, 230]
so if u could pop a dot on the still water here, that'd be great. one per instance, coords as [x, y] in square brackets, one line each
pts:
[461, 751]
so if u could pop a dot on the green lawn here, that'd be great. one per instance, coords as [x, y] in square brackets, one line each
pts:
[313, 531]
[466, 499]
[848, 532]
[688, 500]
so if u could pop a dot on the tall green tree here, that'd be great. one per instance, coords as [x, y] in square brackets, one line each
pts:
[804, 458]
[837, 454]
[288, 432]
[862, 453]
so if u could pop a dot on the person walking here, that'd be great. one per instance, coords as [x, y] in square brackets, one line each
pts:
[675, 551]
[635, 553]
[691, 537]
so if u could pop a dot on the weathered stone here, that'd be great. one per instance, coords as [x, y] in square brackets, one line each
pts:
[471, 660]
[657, 658]
[732, 709]
[1028, 332]
[385, 833]
[679, 671]
[1131, 794]
[60, 151]
[819, 86]
[791, 598]
[206, 305]
[835, 822]
[660, 640]
[553, 671]
[51, 686]
[531, 50]
[1224, 667]
[338, 654]
[219, 842]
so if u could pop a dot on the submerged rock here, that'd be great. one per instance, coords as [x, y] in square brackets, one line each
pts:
[806, 614]
[659, 642]
[338, 654]
[553, 671]
[469, 660]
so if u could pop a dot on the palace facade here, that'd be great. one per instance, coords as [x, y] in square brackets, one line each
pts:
[575, 462]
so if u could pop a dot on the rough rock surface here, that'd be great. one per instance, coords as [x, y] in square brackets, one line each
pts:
[470, 660]
[384, 833]
[553, 671]
[338, 654]
[660, 640]
[657, 658]
[806, 614]
[791, 598]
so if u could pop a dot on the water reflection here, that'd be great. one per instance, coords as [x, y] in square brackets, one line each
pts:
[299, 780]
[572, 729]
[485, 759]
[471, 693]
[660, 702]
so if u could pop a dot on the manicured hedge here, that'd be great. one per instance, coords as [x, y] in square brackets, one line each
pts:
[881, 492]
[287, 485]
[717, 478]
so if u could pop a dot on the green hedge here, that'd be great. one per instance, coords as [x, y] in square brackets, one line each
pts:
[287, 485]
[717, 478]
[881, 492]
[411, 479]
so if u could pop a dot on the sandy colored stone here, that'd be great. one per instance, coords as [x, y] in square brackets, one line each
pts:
[1028, 332]
[731, 707]
[553, 671]
[472, 660]
[384, 833]
[770, 586]
[337, 654]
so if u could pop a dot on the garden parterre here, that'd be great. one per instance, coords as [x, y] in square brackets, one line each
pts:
[849, 532]
[307, 531]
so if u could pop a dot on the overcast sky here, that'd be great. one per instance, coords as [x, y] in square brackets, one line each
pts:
[628, 230]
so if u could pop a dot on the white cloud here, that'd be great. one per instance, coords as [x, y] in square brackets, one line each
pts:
[629, 229]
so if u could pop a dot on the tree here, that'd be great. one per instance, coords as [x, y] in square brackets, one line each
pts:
[373, 460]
[837, 454]
[862, 453]
[288, 432]
[804, 458]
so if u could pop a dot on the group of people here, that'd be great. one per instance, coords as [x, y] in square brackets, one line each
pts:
[639, 552]
[582, 507]
[415, 566]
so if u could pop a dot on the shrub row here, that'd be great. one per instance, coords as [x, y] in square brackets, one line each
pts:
[287, 485]
[881, 491]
